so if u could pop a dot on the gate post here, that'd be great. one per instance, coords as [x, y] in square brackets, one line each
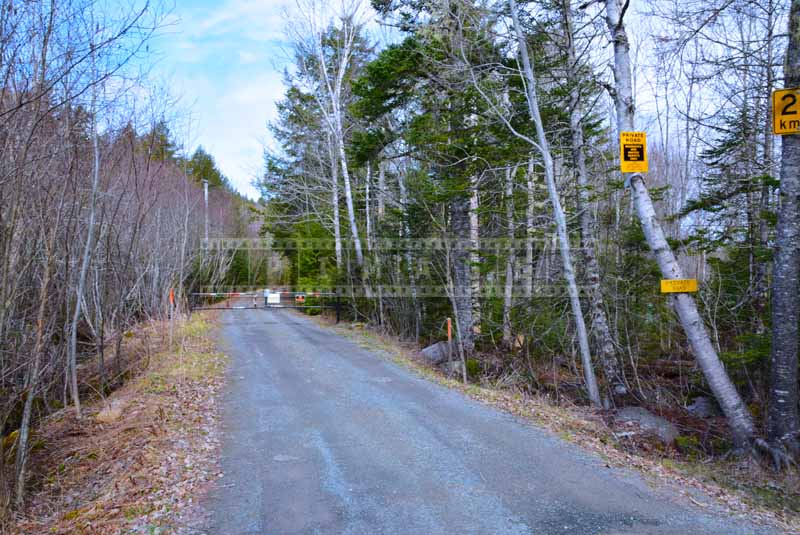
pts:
[338, 308]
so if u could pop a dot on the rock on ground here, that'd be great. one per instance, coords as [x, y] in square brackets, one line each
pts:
[661, 427]
[704, 407]
[437, 353]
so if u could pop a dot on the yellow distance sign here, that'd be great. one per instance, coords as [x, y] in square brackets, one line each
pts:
[786, 111]
[676, 286]
[633, 152]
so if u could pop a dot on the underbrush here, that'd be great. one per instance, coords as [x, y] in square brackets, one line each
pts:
[139, 457]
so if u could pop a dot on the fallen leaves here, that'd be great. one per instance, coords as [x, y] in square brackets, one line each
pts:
[142, 460]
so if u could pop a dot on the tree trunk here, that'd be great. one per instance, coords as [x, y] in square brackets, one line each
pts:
[739, 418]
[508, 290]
[348, 197]
[87, 250]
[33, 377]
[462, 274]
[337, 229]
[381, 189]
[783, 422]
[558, 212]
[529, 271]
[604, 339]
[474, 256]
[367, 214]
[761, 292]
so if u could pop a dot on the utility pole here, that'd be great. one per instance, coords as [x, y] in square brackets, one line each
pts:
[205, 203]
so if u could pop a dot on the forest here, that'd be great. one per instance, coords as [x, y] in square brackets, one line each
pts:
[101, 211]
[460, 159]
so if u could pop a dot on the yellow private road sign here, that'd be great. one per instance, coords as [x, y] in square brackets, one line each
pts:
[676, 286]
[633, 152]
[786, 111]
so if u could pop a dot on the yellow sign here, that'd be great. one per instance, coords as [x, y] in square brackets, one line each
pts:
[786, 111]
[633, 152]
[674, 286]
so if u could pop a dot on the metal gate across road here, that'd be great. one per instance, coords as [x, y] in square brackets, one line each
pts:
[264, 300]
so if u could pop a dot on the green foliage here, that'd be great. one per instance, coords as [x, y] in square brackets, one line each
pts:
[388, 81]
[201, 166]
[313, 267]
[750, 350]
[159, 144]
[473, 368]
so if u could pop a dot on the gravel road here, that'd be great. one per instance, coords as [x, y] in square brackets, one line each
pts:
[323, 436]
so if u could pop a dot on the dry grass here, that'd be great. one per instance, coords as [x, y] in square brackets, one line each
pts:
[740, 489]
[139, 459]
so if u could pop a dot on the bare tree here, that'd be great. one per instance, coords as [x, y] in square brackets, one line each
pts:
[331, 71]
[606, 345]
[561, 223]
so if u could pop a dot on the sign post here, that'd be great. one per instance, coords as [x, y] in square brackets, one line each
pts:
[786, 111]
[633, 152]
[449, 339]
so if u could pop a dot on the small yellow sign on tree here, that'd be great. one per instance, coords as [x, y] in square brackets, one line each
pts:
[786, 111]
[674, 286]
[633, 152]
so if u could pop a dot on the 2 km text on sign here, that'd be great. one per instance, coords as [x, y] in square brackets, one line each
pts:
[633, 152]
[786, 111]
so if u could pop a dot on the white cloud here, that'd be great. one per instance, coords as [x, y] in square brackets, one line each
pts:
[245, 57]
[221, 59]
[226, 59]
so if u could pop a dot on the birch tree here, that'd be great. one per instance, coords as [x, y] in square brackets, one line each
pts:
[543, 147]
[606, 345]
[331, 72]
[739, 418]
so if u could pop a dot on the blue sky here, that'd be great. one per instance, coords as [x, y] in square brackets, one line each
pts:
[224, 59]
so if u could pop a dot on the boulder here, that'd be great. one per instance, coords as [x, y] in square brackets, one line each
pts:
[704, 407]
[661, 427]
[437, 353]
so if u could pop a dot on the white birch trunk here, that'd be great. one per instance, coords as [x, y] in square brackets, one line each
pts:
[474, 256]
[381, 189]
[329, 100]
[348, 198]
[337, 229]
[508, 290]
[368, 215]
[558, 212]
[739, 418]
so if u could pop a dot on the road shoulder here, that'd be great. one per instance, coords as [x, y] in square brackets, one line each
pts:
[139, 460]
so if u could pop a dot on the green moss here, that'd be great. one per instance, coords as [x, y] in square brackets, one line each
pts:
[689, 445]
[72, 515]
